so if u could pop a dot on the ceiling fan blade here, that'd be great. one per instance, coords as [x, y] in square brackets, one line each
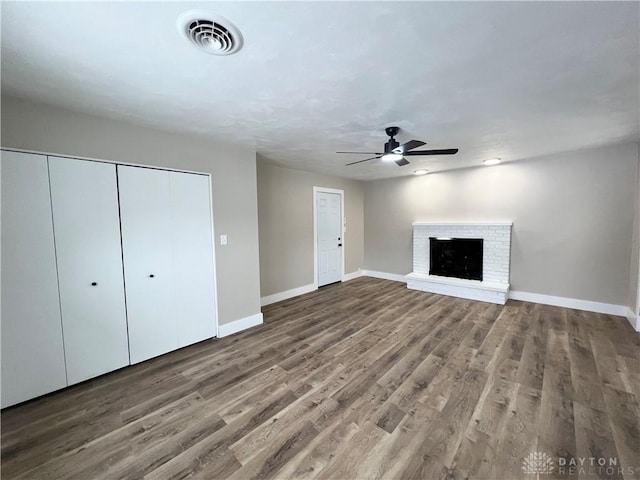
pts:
[410, 145]
[360, 161]
[402, 162]
[364, 153]
[446, 151]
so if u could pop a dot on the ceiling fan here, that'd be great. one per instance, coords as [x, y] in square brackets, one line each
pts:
[394, 152]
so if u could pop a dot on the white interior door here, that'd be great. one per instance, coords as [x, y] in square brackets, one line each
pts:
[84, 198]
[329, 239]
[145, 216]
[192, 257]
[32, 345]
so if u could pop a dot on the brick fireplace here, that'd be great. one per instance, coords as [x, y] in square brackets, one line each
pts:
[494, 286]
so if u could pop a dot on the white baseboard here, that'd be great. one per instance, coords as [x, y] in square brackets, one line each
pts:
[608, 308]
[633, 320]
[396, 277]
[350, 276]
[239, 325]
[294, 292]
[589, 306]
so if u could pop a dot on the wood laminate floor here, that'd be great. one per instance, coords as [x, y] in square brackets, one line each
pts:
[360, 380]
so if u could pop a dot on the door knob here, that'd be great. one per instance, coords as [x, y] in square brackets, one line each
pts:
[94, 284]
[151, 276]
[339, 244]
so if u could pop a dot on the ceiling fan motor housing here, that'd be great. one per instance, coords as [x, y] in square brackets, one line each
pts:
[390, 145]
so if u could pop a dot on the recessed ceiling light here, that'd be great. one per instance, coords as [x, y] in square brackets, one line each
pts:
[210, 33]
[421, 172]
[391, 157]
[492, 161]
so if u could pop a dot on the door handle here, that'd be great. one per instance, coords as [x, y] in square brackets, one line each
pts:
[151, 276]
[339, 244]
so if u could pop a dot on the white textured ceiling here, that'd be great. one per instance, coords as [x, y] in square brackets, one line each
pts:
[505, 79]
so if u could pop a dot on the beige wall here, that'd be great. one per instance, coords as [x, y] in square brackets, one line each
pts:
[572, 218]
[573, 213]
[285, 212]
[32, 126]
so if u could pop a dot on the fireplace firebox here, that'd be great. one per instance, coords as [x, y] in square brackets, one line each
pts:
[456, 257]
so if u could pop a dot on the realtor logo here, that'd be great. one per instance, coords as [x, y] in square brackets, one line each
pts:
[538, 463]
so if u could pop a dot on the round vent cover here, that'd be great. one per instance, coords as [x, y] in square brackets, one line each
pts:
[212, 34]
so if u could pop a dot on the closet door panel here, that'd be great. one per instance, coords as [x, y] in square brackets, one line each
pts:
[145, 216]
[32, 344]
[84, 198]
[192, 257]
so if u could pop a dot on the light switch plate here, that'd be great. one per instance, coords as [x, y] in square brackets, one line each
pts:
[223, 239]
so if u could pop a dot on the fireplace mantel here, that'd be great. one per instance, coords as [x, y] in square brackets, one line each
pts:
[496, 254]
[457, 224]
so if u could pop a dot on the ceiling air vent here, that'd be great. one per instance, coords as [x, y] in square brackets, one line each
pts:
[212, 34]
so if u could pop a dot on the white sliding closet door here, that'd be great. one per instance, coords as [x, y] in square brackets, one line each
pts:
[32, 345]
[193, 257]
[145, 216]
[84, 198]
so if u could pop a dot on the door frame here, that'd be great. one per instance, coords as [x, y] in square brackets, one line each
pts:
[317, 190]
[213, 250]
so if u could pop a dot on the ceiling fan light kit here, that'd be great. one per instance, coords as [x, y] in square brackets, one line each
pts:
[391, 157]
[394, 152]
